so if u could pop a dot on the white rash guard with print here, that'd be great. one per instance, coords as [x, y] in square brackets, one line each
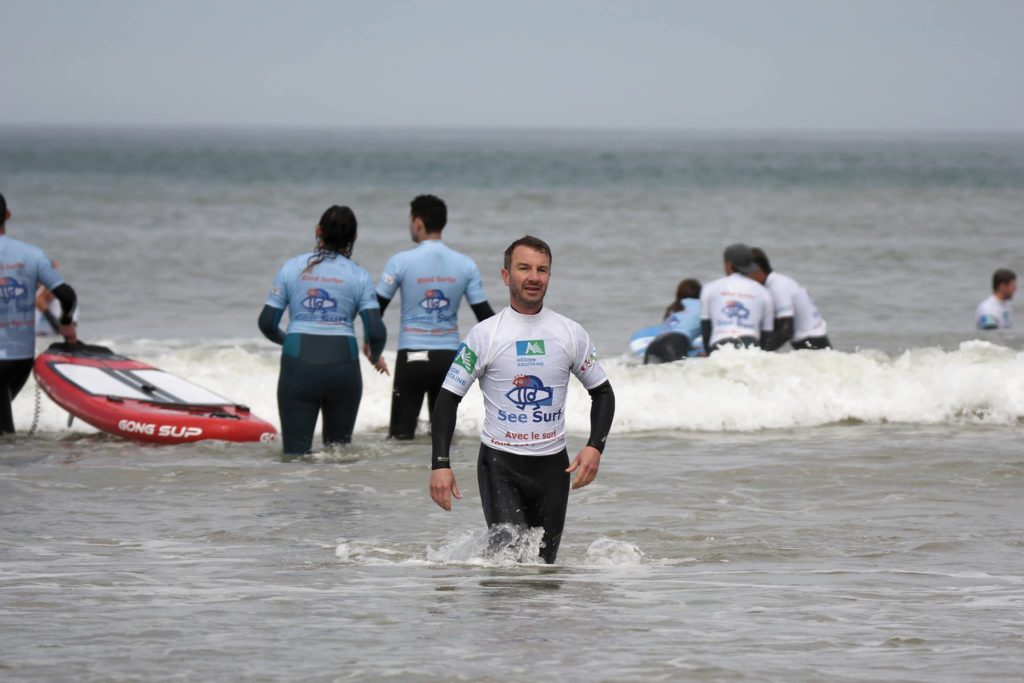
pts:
[523, 363]
[737, 307]
[792, 300]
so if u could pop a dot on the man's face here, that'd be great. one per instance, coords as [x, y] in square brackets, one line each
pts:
[1007, 290]
[527, 278]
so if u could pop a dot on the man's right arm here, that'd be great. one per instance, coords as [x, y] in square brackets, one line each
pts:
[442, 430]
[782, 334]
[67, 298]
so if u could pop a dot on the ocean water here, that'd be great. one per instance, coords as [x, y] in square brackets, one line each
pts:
[851, 515]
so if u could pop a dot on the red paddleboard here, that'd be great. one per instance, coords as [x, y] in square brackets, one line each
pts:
[129, 398]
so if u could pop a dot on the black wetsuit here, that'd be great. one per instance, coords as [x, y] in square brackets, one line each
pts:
[319, 374]
[523, 490]
[667, 348]
[419, 373]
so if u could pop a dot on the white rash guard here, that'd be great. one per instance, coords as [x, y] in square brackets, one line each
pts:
[792, 301]
[523, 363]
[737, 307]
[994, 313]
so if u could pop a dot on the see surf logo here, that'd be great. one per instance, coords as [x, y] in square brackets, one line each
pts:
[529, 390]
[434, 300]
[530, 347]
[11, 289]
[735, 309]
[318, 300]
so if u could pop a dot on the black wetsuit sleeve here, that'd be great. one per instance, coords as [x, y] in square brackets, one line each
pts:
[782, 334]
[270, 318]
[602, 410]
[705, 334]
[482, 310]
[68, 300]
[383, 303]
[442, 428]
[375, 334]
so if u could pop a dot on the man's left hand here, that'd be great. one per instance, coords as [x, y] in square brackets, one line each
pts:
[585, 465]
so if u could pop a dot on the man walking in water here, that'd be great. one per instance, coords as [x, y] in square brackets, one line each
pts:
[22, 267]
[736, 310]
[523, 357]
[433, 278]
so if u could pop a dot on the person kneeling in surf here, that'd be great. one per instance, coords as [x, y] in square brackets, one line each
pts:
[523, 357]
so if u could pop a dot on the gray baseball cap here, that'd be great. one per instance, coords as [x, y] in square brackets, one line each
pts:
[741, 258]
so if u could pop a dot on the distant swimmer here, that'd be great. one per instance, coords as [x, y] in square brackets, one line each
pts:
[523, 357]
[323, 292]
[996, 311]
[433, 279]
[680, 335]
[24, 267]
[736, 310]
[797, 319]
[48, 310]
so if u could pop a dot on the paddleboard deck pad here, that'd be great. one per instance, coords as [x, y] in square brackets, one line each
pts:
[128, 398]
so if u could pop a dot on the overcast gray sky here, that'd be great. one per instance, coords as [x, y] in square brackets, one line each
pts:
[725, 64]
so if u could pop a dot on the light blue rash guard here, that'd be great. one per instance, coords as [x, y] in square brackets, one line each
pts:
[686, 322]
[433, 278]
[326, 299]
[22, 266]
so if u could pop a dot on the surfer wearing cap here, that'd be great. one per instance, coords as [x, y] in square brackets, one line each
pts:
[22, 267]
[523, 357]
[996, 311]
[797, 319]
[679, 336]
[433, 278]
[736, 310]
[323, 292]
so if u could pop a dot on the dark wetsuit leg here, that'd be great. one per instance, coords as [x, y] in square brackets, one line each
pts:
[812, 343]
[526, 491]
[13, 375]
[318, 372]
[738, 342]
[667, 348]
[415, 379]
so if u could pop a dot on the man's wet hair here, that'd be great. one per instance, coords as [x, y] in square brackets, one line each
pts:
[761, 259]
[431, 210]
[1001, 277]
[3, 209]
[527, 241]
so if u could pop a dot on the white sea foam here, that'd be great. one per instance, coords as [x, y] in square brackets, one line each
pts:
[501, 545]
[608, 551]
[733, 390]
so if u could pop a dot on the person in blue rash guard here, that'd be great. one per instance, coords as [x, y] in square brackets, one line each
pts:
[23, 267]
[322, 291]
[433, 278]
[680, 335]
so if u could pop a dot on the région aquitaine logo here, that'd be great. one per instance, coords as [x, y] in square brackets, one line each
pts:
[530, 347]
[318, 301]
[434, 300]
[529, 390]
[11, 289]
[465, 358]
